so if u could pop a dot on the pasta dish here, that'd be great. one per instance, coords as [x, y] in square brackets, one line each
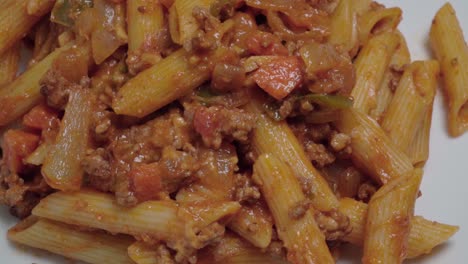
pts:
[221, 131]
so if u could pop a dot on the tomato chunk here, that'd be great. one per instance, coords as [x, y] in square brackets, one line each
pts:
[145, 181]
[280, 76]
[40, 117]
[17, 145]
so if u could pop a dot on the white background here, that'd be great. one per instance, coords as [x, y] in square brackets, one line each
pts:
[446, 173]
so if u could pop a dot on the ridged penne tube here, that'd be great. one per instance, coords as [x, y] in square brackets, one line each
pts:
[389, 218]
[378, 21]
[16, 21]
[158, 219]
[22, 94]
[62, 168]
[276, 137]
[424, 234]
[361, 6]
[413, 97]
[182, 23]
[234, 250]
[167, 80]
[145, 18]
[142, 253]
[399, 60]
[91, 247]
[9, 62]
[343, 27]
[418, 150]
[254, 224]
[300, 234]
[371, 65]
[450, 48]
[372, 149]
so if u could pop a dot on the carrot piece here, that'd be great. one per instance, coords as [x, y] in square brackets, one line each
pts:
[40, 117]
[17, 145]
[280, 76]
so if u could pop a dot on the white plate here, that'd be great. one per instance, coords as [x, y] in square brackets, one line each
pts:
[445, 179]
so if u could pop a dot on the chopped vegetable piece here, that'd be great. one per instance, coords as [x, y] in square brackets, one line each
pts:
[17, 145]
[145, 181]
[280, 76]
[40, 117]
[66, 11]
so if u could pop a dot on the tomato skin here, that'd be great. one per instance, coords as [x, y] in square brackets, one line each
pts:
[17, 145]
[40, 117]
[145, 181]
[206, 122]
[280, 76]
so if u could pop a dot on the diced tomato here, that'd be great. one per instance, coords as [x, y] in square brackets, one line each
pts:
[40, 117]
[206, 121]
[17, 145]
[145, 181]
[264, 43]
[280, 76]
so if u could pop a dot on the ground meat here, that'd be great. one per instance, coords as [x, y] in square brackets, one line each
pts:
[55, 88]
[97, 164]
[366, 191]
[299, 210]
[319, 154]
[339, 141]
[163, 255]
[20, 195]
[334, 224]
[245, 190]
[316, 133]
[216, 123]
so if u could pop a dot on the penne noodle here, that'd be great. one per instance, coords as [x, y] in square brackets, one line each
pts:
[174, 76]
[17, 22]
[377, 21]
[450, 48]
[276, 137]
[21, 95]
[142, 253]
[182, 24]
[418, 150]
[371, 65]
[343, 27]
[163, 220]
[145, 21]
[62, 168]
[9, 62]
[372, 150]
[399, 60]
[424, 234]
[282, 192]
[71, 242]
[413, 98]
[389, 218]
[254, 224]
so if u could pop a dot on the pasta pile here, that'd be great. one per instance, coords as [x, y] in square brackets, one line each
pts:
[221, 131]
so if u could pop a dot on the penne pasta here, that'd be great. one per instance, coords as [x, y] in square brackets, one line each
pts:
[283, 194]
[182, 23]
[17, 22]
[276, 137]
[371, 65]
[62, 168]
[399, 60]
[145, 21]
[377, 21]
[92, 247]
[424, 234]
[372, 150]
[343, 28]
[254, 224]
[174, 75]
[21, 95]
[389, 218]
[413, 98]
[418, 150]
[9, 62]
[450, 48]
